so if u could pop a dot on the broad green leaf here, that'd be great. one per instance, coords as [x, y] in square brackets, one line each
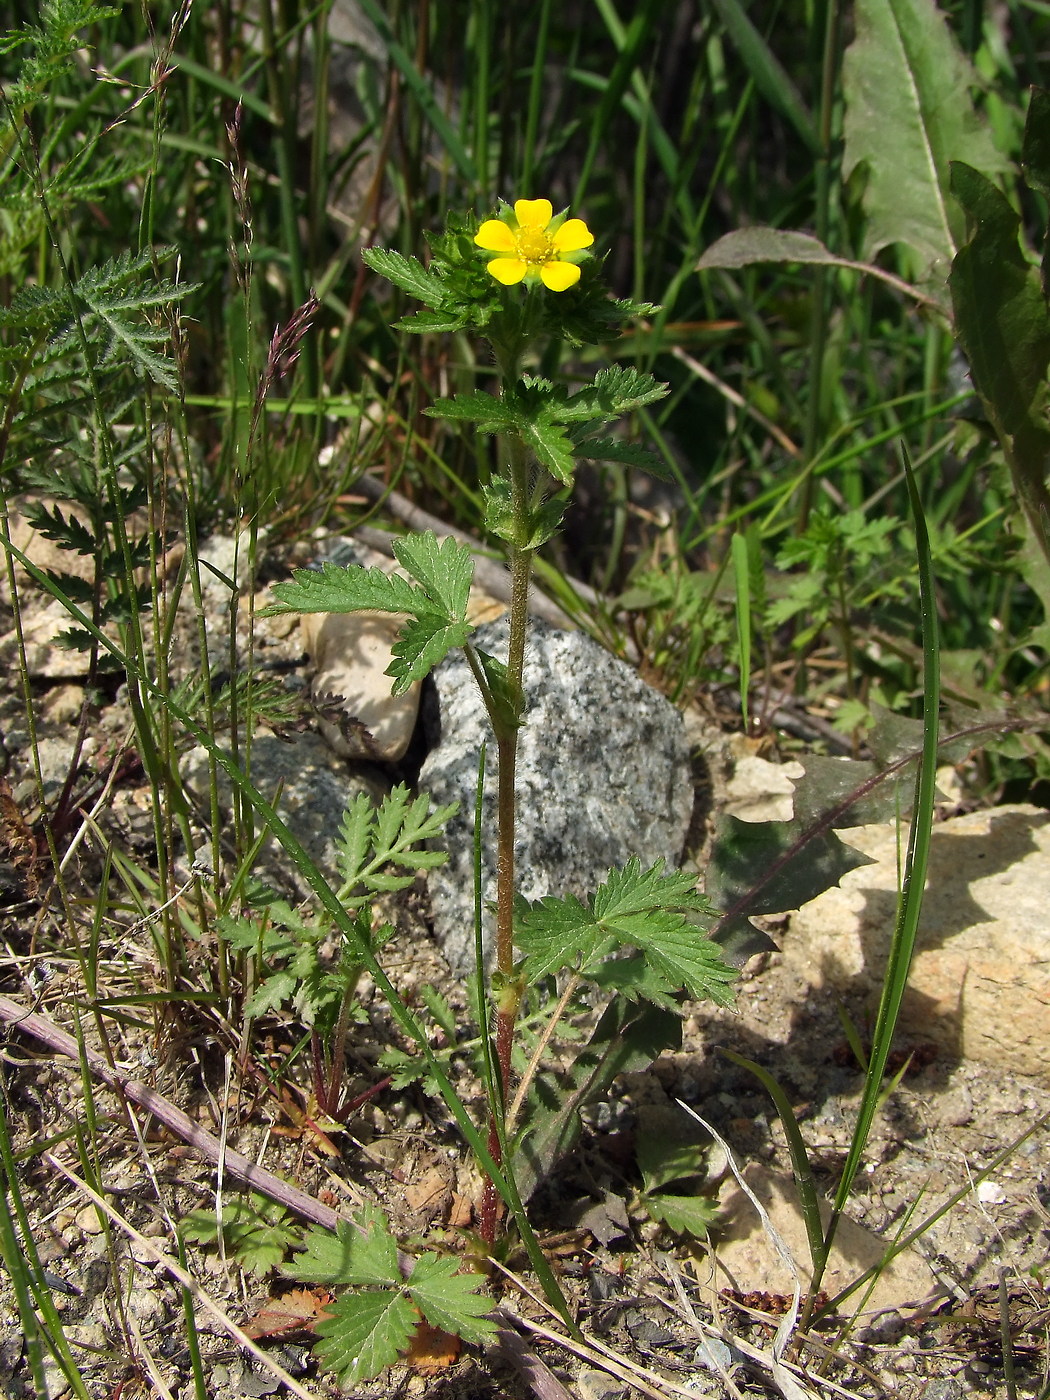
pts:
[644, 909]
[421, 645]
[615, 390]
[408, 274]
[636, 979]
[1035, 161]
[685, 1215]
[364, 1254]
[445, 570]
[672, 1156]
[770, 867]
[431, 322]
[908, 114]
[1000, 312]
[449, 1299]
[337, 589]
[361, 1333]
[745, 246]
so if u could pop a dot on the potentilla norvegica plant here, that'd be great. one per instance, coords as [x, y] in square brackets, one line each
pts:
[522, 280]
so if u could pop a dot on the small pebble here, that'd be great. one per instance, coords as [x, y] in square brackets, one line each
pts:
[955, 1109]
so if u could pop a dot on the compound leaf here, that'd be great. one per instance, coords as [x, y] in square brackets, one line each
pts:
[449, 1299]
[364, 1253]
[364, 1332]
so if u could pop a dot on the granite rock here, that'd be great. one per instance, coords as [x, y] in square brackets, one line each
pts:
[603, 775]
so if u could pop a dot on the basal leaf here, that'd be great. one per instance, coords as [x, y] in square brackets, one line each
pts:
[1000, 312]
[626, 1039]
[685, 1215]
[767, 867]
[364, 1254]
[745, 246]
[449, 1299]
[444, 570]
[362, 1333]
[908, 114]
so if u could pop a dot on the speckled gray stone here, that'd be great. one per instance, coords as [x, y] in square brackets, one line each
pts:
[603, 775]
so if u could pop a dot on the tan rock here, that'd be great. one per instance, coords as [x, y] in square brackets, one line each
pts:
[351, 653]
[746, 1259]
[980, 981]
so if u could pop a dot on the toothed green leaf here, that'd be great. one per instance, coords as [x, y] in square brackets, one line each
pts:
[362, 1333]
[449, 1299]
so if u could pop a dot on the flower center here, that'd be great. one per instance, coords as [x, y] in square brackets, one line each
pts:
[534, 245]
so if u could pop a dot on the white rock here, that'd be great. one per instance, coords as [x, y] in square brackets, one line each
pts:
[351, 653]
[980, 981]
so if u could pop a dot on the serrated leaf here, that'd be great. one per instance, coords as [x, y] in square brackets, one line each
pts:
[271, 993]
[445, 570]
[666, 1157]
[364, 1254]
[615, 391]
[649, 910]
[363, 1333]
[408, 274]
[421, 645]
[339, 589]
[431, 322]
[449, 1299]
[685, 1215]
[491, 414]
[635, 979]
[552, 447]
[908, 114]
[632, 454]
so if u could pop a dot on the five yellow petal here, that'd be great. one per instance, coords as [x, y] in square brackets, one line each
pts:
[528, 249]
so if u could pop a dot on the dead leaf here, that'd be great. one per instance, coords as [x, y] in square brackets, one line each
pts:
[461, 1213]
[432, 1350]
[297, 1311]
[428, 1194]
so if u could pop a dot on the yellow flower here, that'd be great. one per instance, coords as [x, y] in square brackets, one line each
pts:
[527, 245]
